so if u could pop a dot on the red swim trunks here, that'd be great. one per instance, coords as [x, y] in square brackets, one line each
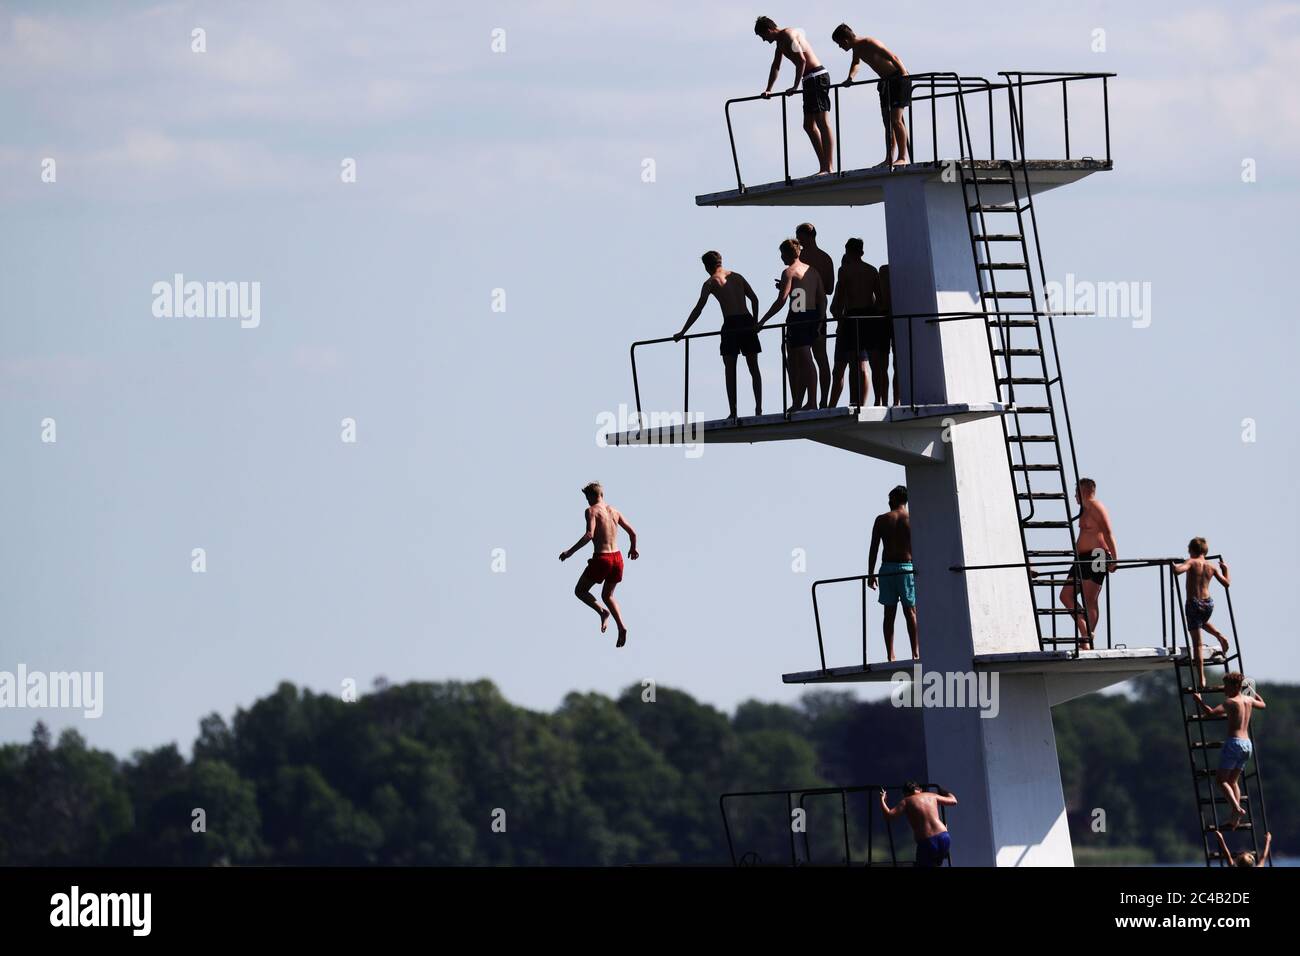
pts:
[607, 567]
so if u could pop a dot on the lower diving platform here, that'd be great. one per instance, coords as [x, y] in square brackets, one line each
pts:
[903, 434]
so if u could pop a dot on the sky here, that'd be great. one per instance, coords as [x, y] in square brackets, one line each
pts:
[500, 154]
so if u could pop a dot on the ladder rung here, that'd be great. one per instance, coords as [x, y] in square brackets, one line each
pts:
[994, 207]
[1022, 381]
[1046, 524]
[1031, 409]
[1007, 295]
[1050, 582]
[1035, 438]
[989, 266]
[1205, 718]
[1015, 352]
[1210, 828]
[998, 237]
[1208, 690]
[1049, 554]
[1208, 800]
[1054, 611]
[1207, 744]
[1035, 468]
[990, 181]
[1014, 323]
[1037, 495]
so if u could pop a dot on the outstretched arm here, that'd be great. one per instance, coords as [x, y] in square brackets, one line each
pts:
[753, 299]
[585, 539]
[776, 69]
[1223, 845]
[787, 280]
[946, 798]
[853, 67]
[1268, 846]
[871, 559]
[1182, 568]
[631, 536]
[884, 806]
[1209, 711]
[695, 312]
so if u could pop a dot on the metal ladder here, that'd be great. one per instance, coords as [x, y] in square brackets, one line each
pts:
[1027, 372]
[1202, 748]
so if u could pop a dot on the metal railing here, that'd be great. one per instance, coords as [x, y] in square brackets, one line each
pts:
[873, 817]
[862, 579]
[1048, 573]
[930, 88]
[905, 341]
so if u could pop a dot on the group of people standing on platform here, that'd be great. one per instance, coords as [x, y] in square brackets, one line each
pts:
[857, 298]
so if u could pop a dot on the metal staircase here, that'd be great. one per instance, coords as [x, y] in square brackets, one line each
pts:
[1002, 225]
[1204, 735]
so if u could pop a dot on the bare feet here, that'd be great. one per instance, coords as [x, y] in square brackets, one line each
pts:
[604, 620]
[622, 637]
[1238, 815]
[885, 165]
[901, 162]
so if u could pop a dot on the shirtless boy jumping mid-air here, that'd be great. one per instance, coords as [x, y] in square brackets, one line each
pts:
[1237, 748]
[1200, 605]
[606, 563]
[792, 44]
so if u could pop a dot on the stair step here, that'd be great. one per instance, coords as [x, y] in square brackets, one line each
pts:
[1045, 524]
[1208, 690]
[1039, 495]
[1205, 801]
[1035, 468]
[1001, 266]
[1210, 827]
[1050, 582]
[1022, 381]
[1031, 410]
[1050, 554]
[994, 207]
[1007, 295]
[990, 181]
[1052, 611]
[998, 237]
[1031, 438]
[1014, 352]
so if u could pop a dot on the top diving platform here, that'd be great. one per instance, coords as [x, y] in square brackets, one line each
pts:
[984, 125]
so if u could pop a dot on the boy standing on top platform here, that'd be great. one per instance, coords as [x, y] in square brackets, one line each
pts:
[1237, 748]
[895, 88]
[1200, 605]
[606, 564]
[738, 325]
[792, 44]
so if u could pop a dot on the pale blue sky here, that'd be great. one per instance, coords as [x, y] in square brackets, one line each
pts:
[522, 171]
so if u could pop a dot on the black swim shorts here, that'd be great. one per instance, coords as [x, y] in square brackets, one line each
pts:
[817, 93]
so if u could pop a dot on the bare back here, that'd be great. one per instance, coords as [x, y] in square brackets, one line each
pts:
[729, 289]
[794, 46]
[1238, 710]
[922, 811]
[603, 521]
[805, 279]
[895, 531]
[857, 289]
[876, 55]
[1200, 573]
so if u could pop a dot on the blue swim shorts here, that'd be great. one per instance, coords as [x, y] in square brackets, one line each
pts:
[1236, 751]
[897, 583]
[934, 851]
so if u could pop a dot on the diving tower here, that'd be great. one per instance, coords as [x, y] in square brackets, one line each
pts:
[984, 434]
